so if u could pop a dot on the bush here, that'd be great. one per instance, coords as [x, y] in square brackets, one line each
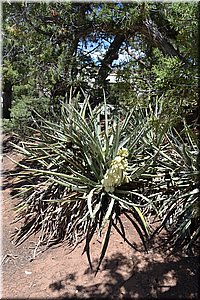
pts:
[92, 167]
[88, 172]
[179, 209]
[22, 111]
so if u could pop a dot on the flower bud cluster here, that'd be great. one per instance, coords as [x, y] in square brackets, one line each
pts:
[116, 174]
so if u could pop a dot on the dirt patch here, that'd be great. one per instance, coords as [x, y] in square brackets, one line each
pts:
[55, 273]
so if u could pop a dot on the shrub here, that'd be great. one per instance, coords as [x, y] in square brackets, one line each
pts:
[179, 209]
[90, 168]
[88, 172]
[22, 111]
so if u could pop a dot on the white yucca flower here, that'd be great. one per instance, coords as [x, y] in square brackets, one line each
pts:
[116, 174]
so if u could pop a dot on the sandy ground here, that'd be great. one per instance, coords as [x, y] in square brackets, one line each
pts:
[124, 274]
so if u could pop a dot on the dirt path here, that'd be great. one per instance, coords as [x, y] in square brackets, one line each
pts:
[124, 273]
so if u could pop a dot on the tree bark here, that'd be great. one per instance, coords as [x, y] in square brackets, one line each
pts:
[155, 37]
[105, 69]
[111, 55]
[7, 99]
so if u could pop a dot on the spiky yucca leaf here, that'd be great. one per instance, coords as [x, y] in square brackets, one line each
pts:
[179, 206]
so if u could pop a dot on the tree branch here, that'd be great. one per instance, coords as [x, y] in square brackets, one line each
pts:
[155, 37]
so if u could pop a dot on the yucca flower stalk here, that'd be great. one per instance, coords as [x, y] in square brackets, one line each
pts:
[116, 174]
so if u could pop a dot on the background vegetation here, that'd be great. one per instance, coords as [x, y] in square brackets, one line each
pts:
[152, 47]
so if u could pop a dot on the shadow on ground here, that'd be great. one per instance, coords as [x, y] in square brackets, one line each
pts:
[169, 280]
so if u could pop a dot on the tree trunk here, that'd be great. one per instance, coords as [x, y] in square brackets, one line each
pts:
[111, 54]
[105, 69]
[7, 99]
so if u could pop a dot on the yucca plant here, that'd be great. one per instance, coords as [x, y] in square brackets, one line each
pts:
[82, 174]
[179, 193]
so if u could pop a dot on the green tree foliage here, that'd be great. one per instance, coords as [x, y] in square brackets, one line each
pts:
[49, 47]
